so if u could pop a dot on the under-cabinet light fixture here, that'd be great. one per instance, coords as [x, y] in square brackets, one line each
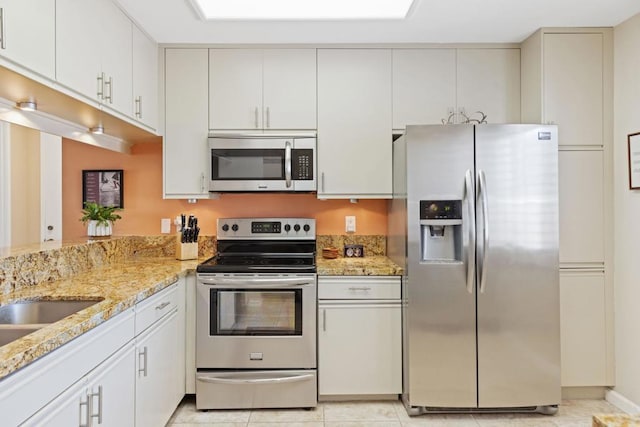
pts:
[302, 10]
[97, 130]
[27, 105]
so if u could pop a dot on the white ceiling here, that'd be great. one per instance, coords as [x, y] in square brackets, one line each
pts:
[431, 21]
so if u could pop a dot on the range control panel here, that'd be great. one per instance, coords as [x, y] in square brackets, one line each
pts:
[266, 228]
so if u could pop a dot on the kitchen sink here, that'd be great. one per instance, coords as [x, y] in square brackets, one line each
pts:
[12, 333]
[41, 312]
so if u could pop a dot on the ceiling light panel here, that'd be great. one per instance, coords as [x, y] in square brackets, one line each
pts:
[302, 9]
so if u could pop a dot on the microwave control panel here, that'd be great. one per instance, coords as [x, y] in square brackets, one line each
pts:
[302, 164]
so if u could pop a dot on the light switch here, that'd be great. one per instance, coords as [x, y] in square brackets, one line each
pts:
[165, 225]
[350, 224]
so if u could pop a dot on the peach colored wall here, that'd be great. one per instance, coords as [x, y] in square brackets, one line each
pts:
[144, 205]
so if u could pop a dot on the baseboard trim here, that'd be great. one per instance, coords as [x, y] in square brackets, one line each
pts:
[622, 402]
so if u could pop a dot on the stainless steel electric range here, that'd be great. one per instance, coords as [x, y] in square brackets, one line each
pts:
[256, 316]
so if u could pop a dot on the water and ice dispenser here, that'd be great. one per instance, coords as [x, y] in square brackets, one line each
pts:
[441, 230]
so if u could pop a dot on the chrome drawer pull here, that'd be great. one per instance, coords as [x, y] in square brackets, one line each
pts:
[163, 305]
[362, 288]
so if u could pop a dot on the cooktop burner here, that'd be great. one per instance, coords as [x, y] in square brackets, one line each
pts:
[257, 264]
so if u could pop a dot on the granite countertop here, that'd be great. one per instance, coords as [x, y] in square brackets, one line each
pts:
[117, 287]
[616, 420]
[366, 266]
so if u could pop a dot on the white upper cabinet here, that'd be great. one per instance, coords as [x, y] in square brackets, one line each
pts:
[432, 85]
[145, 79]
[573, 87]
[488, 80]
[186, 115]
[261, 89]
[94, 51]
[424, 86]
[27, 34]
[354, 123]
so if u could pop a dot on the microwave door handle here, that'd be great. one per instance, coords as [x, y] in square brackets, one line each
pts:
[287, 163]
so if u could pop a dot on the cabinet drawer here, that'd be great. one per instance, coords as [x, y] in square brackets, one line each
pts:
[359, 287]
[155, 307]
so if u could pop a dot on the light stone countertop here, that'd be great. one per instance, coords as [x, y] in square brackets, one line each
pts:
[616, 420]
[121, 285]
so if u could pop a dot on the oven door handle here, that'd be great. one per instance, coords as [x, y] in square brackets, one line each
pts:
[285, 282]
[280, 380]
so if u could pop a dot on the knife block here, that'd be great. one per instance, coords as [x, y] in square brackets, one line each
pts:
[186, 251]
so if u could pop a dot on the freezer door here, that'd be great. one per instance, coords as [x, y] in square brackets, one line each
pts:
[440, 306]
[517, 257]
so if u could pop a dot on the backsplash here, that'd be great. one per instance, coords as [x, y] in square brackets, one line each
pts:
[374, 245]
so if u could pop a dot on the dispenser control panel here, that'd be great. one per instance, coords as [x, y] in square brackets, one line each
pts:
[440, 209]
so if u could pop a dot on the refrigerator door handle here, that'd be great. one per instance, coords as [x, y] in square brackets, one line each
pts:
[471, 248]
[482, 194]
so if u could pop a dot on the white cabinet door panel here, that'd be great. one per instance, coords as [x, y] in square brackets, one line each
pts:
[488, 80]
[354, 123]
[235, 97]
[78, 45]
[186, 117]
[424, 86]
[582, 329]
[145, 79]
[289, 93]
[581, 195]
[374, 365]
[29, 34]
[573, 87]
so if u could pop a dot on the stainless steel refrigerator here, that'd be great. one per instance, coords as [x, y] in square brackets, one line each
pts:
[474, 221]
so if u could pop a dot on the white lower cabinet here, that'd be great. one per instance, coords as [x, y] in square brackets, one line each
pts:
[157, 372]
[104, 397]
[359, 336]
[583, 331]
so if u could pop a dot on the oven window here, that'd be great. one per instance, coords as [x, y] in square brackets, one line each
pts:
[256, 312]
[247, 164]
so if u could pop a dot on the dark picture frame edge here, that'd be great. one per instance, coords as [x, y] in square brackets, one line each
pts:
[100, 185]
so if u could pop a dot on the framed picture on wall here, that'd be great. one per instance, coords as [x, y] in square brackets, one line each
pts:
[634, 160]
[105, 187]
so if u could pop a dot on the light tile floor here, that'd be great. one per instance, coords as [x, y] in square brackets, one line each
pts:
[572, 413]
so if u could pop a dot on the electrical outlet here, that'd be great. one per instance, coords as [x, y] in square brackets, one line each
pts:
[350, 224]
[165, 225]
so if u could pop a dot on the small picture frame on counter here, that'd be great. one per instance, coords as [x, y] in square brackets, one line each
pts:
[353, 251]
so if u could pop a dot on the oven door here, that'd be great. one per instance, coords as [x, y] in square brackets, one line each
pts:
[262, 164]
[256, 321]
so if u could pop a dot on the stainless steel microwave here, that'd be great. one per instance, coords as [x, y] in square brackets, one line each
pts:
[262, 162]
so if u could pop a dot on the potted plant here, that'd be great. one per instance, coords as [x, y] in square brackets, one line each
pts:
[100, 219]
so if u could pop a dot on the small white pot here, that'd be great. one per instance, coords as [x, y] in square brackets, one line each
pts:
[97, 230]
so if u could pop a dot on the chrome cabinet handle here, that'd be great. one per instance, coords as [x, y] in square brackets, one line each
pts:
[163, 305]
[322, 181]
[202, 182]
[256, 117]
[469, 197]
[324, 320]
[110, 84]
[100, 92]
[139, 107]
[268, 118]
[142, 369]
[292, 379]
[99, 396]
[287, 162]
[3, 44]
[361, 288]
[86, 412]
[482, 193]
